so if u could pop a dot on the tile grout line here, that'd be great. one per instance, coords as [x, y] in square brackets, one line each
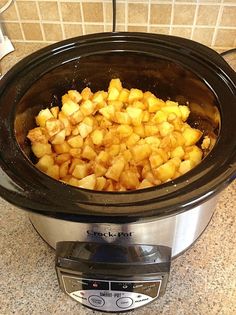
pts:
[194, 20]
[19, 20]
[61, 20]
[104, 15]
[40, 21]
[172, 17]
[149, 16]
[217, 23]
[82, 18]
[126, 16]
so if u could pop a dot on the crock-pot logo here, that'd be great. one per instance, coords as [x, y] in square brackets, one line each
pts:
[109, 234]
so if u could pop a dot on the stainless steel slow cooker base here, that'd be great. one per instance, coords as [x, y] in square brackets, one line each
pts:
[186, 227]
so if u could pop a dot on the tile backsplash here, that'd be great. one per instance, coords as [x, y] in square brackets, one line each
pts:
[211, 22]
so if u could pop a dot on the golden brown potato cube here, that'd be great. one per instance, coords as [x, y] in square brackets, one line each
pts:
[86, 94]
[132, 140]
[75, 96]
[59, 138]
[54, 110]
[129, 179]
[88, 182]
[80, 171]
[165, 172]
[45, 162]
[122, 118]
[116, 104]
[84, 129]
[206, 143]
[127, 155]
[151, 130]
[76, 142]
[146, 116]
[76, 117]
[172, 109]
[61, 148]
[165, 128]
[67, 126]
[109, 185]
[176, 161]
[69, 107]
[88, 153]
[99, 169]
[124, 130]
[108, 112]
[38, 134]
[63, 169]
[103, 157]
[74, 182]
[41, 149]
[61, 158]
[153, 141]
[178, 152]
[135, 95]
[139, 130]
[139, 104]
[87, 107]
[156, 160]
[136, 115]
[97, 137]
[185, 111]
[75, 152]
[154, 103]
[194, 154]
[43, 116]
[53, 171]
[100, 183]
[74, 162]
[124, 95]
[145, 184]
[115, 83]
[53, 126]
[113, 94]
[113, 150]
[141, 152]
[191, 135]
[185, 166]
[116, 169]
[160, 117]
[180, 141]
[98, 97]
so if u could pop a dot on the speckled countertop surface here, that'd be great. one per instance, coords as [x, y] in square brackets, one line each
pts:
[202, 280]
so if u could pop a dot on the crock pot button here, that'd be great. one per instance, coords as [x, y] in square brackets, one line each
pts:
[124, 302]
[96, 300]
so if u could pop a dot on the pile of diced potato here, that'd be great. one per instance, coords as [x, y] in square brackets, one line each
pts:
[116, 140]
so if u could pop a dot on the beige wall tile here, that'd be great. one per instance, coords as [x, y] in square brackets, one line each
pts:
[93, 11]
[70, 11]
[209, 1]
[229, 16]
[226, 38]
[91, 29]
[159, 30]
[49, 11]
[28, 10]
[184, 14]
[182, 31]
[73, 30]
[52, 32]
[119, 28]
[10, 14]
[13, 30]
[137, 28]
[137, 13]
[207, 14]
[120, 12]
[203, 35]
[160, 13]
[32, 31]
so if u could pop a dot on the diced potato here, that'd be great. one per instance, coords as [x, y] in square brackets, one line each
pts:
[124, 130]
[155, 160]
[103, 157]
[53, 126]
[87, 107]
[86, 94]
[139, 104]
[116, 104]
[114, 150]
[98, 97]
[165, 128]
[80, 171]
[172, 109]
[75, 152]
[145, 184]
[153, 140]
[53, 172]
[129, 179]
[85, 130]
[74, 182]
[97, 137]
[88, 153]
[99, 169]
[185, 166]
[76, 142]
[61, 158]
[67, 126]
[59, 138]
[76, 117]
[160, 117]
[74, 162]
[38, 134]
[124, 95]
[100, 183]
[45, 162]
[108, 112]
[113, 94]
[69, 107]
[135, 95]
[154, 104]
[116, 169]
[61, 148]
[146, 116]
[122, 118]
[115, 83]
[151, 130]
[88, 182]
[127, 155]
[165, 172]
[41, 149]
[63, 169]
[55, 111]
[132, 140]
[139, 130]
[136, 115]
[141, 152]
[206, 143]
[178, 152]
[185, 111]
[194, 154]
[75, 96]
[191, 135]
[43, 116]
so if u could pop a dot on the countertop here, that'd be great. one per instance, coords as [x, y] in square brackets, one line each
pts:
[202, 280]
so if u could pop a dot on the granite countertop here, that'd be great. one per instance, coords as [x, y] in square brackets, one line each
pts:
[202, 280]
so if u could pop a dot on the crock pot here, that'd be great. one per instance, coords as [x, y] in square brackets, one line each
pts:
[114, 249]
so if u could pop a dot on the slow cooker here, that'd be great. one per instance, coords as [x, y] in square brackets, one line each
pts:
[114, 249]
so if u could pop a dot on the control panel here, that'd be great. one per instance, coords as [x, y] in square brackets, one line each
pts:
[111, 296]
